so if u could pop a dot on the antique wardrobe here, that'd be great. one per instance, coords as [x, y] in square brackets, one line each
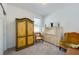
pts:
[24, 33]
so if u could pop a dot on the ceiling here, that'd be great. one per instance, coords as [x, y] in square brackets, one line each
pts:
[41, 8]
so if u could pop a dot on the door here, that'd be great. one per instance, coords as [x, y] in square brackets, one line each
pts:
[30, 32]
[20, 33]
[30, 27]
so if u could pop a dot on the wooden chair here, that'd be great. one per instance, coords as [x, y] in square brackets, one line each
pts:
[38, 37]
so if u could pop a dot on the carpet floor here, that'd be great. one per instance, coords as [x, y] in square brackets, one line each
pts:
[41, 48]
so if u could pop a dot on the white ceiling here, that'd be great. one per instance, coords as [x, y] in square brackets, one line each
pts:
[40, 8]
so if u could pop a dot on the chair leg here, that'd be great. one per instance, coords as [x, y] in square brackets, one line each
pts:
[59, 48]
[62, 49]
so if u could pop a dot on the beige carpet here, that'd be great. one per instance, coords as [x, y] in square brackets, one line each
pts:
[37, 49]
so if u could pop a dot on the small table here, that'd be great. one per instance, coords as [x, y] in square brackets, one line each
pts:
[72, 51]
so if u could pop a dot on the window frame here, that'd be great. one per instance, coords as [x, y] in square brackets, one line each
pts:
[35, 25]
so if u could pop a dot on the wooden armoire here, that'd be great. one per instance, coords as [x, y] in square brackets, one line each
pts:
[24, 33]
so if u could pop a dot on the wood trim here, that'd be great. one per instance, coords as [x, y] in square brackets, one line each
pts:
[24, 19]
[50, 43]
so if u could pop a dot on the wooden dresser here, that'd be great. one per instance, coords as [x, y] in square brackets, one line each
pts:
[24, 33]
[53, 35]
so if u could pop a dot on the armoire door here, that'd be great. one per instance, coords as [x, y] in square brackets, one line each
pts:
[30, 33]
[30, 40]
[20, 33]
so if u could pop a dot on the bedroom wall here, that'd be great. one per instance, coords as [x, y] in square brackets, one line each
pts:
[68, 17]
[1, 31]
[13, 13]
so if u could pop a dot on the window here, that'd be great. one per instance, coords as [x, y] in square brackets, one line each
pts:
[37, 25]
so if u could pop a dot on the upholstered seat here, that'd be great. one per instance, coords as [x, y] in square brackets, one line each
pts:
[38, 37]
[69, 38]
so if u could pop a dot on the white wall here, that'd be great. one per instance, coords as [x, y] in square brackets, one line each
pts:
[1, 31]
[12, 14]
[68, 17]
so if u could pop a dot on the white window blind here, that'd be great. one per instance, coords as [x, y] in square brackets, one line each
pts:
[37, 24]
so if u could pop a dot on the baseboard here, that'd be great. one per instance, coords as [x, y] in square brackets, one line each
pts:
[4, 53]
[51, 43]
